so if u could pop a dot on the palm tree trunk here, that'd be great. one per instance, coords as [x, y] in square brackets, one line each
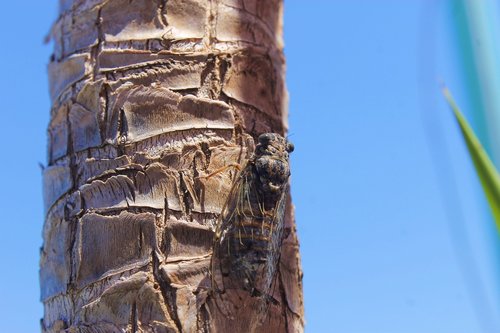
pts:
[147, 97]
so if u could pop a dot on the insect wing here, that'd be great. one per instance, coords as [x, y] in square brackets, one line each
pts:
[274, 246]
[236, 204]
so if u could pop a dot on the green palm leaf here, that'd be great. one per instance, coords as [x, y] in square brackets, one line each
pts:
[490, 179]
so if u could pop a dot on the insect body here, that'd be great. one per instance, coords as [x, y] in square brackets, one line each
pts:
[250, 229]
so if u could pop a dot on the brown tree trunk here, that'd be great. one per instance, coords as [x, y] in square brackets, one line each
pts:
[149, 95]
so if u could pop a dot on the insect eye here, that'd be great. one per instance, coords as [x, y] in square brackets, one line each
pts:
[290, 147]
[265, 138]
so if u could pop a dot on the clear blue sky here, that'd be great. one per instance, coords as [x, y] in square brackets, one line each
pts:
[394, 233]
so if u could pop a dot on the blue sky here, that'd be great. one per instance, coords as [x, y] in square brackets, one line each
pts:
[395, 235]
[380, 174]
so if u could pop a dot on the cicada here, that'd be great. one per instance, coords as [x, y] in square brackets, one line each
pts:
[249, 231]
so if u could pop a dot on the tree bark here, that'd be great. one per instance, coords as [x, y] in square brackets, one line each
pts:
[148, 97]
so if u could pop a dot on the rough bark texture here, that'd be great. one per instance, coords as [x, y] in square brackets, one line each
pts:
[148, 96]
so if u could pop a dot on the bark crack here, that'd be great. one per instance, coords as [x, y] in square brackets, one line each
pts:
[203, 319]
[167, 291]
[122, 132]
[211, 24]
[133, 318]
[186, 196]
[209, 86]
[163, 13]
[283, 299]
[73, 222]
[96, 50]
[166, 211]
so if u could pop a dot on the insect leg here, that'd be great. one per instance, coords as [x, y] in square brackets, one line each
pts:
[222, 169]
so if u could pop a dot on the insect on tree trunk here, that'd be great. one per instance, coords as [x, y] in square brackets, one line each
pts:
[152, 100]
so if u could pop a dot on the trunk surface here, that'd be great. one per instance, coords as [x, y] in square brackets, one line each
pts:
[149, 96]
